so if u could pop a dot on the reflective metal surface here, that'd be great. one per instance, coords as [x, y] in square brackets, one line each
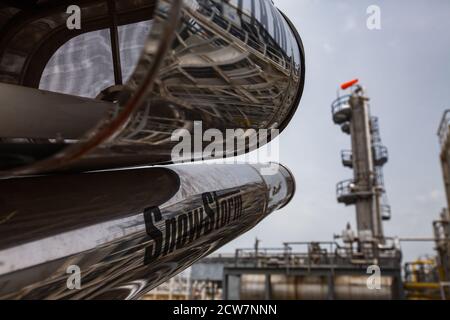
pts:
[284, 287]
[231, 64]
[128, 230]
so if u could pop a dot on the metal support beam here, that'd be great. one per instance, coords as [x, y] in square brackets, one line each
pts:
[331, 293]
[268, 288]
[225, 287]
[115, 44]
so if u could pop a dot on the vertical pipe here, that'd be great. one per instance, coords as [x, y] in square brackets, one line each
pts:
[331, 293]
[268, 287]
[368, 209]
[115, 49]
[225, 286]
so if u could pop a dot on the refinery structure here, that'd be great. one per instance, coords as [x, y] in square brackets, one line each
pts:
[90, 183]
[337, 269]
[341, 268]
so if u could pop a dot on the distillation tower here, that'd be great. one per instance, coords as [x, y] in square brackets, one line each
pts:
[326, 270]
[366, 158]
[441, 227]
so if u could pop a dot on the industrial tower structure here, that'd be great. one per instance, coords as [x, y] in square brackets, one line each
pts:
[366, 158]
[325, 270]
[441, 227]
[430, 278]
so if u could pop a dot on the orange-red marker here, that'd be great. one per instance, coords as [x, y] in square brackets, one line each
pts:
[349, 84]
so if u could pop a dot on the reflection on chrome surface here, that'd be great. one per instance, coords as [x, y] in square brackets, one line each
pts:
[127, 231]
[231, 64]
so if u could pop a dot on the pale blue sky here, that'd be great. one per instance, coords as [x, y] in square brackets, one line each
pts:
[405, 68]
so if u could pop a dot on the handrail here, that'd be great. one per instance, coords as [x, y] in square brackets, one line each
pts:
[380, 151]
[345, 187]
[338, 104]
[328, 253]
[386, 212]
[444, 127]
[347, 155]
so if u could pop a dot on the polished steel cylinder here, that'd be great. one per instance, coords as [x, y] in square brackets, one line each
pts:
[168, 69]
[313, 287]
[126, 231]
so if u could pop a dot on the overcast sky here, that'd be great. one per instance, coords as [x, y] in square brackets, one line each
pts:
[405, 68]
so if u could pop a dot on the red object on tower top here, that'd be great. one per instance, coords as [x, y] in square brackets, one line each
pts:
[349, 84]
